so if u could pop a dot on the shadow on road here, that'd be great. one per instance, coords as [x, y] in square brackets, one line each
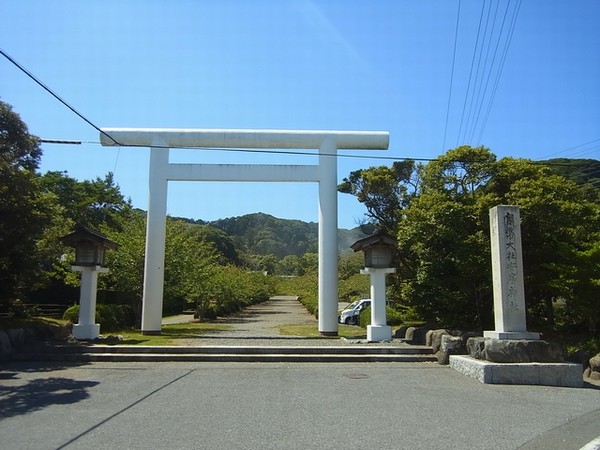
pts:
[40, 393]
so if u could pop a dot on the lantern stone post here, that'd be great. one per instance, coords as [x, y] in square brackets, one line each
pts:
[90, 249]
[378, 249]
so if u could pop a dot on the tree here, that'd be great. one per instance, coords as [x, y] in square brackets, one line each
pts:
[445, 269]
[90, 203]
[25, 210]
[559, 232]
[385, 191]
[444, 241]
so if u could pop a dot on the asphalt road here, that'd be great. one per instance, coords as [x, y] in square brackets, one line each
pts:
[283, 406]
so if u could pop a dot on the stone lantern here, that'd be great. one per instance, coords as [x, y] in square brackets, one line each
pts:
[379, 250]
[90, 247]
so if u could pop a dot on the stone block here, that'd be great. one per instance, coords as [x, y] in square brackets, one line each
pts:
[428, 338]
[547, 374]
[409, 334]
[522, 351]
[476, 347]
[436, 339]
[401, 332]
[450, 345]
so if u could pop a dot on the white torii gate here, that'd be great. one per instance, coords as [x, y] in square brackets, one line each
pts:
[160, 140]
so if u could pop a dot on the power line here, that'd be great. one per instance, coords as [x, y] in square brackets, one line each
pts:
[499, 73]
[470, 74]
[245, 150]
[451, 75]
[573, 148]
[54, 94]
[477, 84]
[60, 141]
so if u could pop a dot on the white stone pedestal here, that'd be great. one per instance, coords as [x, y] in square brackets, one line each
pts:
[378, 333]
[87, 328]
[86, 331]
[378, 330]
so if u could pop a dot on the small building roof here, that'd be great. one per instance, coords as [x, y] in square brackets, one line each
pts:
[83, 234]
[379, 238]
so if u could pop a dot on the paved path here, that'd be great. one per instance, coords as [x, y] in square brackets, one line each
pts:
[140, 405]
[264, 406]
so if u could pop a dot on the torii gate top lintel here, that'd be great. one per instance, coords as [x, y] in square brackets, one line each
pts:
[241, 138]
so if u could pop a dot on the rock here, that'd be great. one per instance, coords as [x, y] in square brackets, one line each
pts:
[436, 339]
[450, 345]
[416, 335]
[410, 332]
[476, 347]
[401, 332]
[522, 351]
[428, 338]
[580, 356]
[5, 346]
[110, 339]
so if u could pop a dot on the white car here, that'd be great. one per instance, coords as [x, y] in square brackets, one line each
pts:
[352, 312]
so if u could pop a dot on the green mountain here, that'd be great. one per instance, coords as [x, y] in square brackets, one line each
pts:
[582, 171]
[263, 234]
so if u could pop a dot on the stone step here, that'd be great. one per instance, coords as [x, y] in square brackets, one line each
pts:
[125, 353]
[220, 357]
[250, 349]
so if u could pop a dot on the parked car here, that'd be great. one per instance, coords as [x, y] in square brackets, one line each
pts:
[352, 312]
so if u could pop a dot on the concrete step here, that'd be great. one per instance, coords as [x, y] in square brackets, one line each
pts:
[125, 353]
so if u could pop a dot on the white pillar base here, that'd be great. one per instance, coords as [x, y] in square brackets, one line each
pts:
[378, 333]
[86, 331]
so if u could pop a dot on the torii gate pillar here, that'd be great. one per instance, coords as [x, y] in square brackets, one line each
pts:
[161, 172]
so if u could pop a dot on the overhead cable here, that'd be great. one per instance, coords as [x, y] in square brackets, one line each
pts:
[53, 94]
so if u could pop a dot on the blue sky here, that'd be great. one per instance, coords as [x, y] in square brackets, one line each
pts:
[305, 64]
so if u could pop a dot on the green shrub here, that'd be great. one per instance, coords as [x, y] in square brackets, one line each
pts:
[393, 317]
[591, 345]
[305, 288]
[110, 317]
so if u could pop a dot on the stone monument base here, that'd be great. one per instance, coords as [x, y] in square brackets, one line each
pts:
[514, 350]
[547, 374]
[86, 331]
[511, 335]
[378, 333]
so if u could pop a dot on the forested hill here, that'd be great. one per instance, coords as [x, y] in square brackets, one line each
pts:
[582, 171]
[263, 234]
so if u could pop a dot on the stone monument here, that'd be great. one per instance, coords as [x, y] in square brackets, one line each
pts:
[507, 275]
[510, 354]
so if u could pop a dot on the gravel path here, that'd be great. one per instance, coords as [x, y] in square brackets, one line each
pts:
[259, 325]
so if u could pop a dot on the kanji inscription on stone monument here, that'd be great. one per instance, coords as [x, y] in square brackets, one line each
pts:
[507, 275]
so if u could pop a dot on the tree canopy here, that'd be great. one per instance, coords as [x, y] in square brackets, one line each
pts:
[444, 268]
[26, 211]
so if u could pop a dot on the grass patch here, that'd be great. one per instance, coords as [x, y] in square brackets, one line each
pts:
[312, 331]
[7, 324]
[171, 334]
